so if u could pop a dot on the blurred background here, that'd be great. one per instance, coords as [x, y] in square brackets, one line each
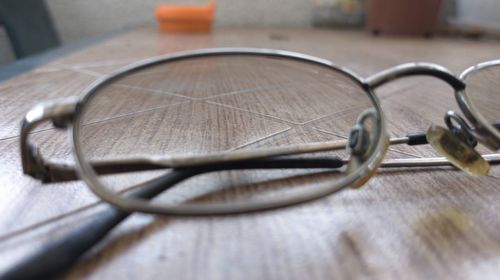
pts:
[42, 25]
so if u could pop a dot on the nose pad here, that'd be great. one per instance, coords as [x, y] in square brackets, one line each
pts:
[457, 150]
[362, 136]
[359, 140]
[362, 139]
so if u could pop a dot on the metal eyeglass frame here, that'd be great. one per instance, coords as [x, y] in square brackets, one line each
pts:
[365, 155]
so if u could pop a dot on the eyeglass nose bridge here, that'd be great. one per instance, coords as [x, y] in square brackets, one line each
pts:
[480, 129]
[414, 69]
[458, 142]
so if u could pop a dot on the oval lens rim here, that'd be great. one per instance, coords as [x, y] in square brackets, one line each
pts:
[488, 134]
[87, 173]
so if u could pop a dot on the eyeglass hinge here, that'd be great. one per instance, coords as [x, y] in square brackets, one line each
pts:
[60, 113]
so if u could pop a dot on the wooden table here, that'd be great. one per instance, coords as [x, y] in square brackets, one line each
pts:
[403, 224]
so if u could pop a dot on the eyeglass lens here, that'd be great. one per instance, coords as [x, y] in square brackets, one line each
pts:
[221, 103]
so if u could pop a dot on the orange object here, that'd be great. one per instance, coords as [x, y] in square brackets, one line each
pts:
[185, 18]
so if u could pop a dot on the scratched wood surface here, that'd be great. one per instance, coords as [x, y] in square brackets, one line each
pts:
[433, 223]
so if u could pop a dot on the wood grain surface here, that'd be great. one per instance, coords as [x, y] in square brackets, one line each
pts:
[427, 223]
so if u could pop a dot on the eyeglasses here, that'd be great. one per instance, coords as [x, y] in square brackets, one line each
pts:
[126, 126]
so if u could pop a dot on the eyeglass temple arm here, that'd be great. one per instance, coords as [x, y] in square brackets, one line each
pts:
[65, 172]
[412, 69]
[59, 172]
[61, 112]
